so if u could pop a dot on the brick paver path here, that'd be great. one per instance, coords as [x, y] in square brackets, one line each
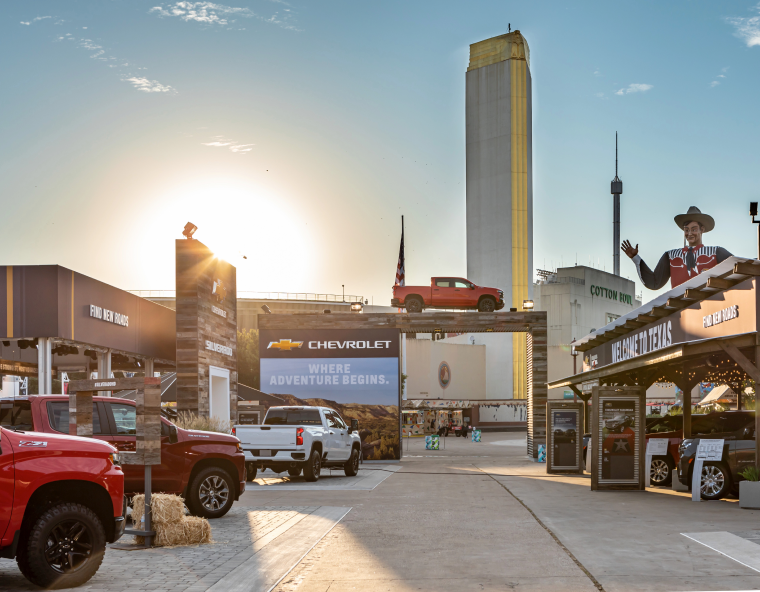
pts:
[177, 569]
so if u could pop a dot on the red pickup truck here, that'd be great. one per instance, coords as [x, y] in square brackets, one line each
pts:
[447, 292]
[206, 468]
[61, 500]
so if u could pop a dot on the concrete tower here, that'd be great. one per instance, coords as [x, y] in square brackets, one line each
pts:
[500, 181]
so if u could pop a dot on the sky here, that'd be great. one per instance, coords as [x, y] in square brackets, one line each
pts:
[296, 134]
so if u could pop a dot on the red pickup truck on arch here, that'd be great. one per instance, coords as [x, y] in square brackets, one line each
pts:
[448, 292]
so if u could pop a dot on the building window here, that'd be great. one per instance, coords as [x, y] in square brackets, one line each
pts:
[611, 317]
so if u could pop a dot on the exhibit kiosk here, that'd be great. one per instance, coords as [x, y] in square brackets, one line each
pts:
[565, 434]
[618, 437]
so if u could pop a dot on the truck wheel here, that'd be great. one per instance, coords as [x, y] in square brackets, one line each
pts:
[250, 471]
[64, 547]
[294, 471]
[351, 467]
[413, 305]
[313, 466]
[661, 472]
[716, 481]
[211, 493]
[487, 305]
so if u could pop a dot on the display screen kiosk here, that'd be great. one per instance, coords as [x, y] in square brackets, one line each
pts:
[618, 438]
[564, 453]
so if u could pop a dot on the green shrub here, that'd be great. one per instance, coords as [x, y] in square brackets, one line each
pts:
[750, 474]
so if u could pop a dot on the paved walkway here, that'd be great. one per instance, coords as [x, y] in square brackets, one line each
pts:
[471, 517]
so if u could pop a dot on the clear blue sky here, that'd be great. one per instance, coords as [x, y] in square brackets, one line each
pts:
[297, 133]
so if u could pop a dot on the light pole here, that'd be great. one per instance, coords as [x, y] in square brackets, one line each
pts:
[575, 357]
[753, 213]
[344, 291]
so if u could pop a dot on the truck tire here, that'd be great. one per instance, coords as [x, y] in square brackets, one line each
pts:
[294, 471]
[313, 466]
[487, 305]
[413, 304]
[250, 471]
[211, 493]
[79, 539]
[661, 472]
[351, 468]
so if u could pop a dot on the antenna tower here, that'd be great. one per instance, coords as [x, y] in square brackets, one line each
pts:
[616, 189]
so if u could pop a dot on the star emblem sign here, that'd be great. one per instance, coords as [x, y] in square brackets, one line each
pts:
[285, 345]
[621, 445]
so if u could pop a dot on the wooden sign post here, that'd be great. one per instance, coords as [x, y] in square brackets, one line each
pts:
[147, 427]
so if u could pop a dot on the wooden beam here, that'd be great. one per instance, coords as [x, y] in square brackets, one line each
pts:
[741, 359]
[675, 304]
[646, 319]
[634, 324]
[747, 268]
[659, 312]
[695, 295]
[719, 284]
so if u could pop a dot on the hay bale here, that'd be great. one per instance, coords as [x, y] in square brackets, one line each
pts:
[165, 508]
[191, 530]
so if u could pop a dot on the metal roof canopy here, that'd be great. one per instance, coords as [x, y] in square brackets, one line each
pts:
[723, 276]
[534, 323]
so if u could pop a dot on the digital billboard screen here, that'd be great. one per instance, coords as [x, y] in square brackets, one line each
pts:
[355, 372]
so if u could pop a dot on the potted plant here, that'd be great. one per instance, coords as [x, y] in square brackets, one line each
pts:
[749, 489]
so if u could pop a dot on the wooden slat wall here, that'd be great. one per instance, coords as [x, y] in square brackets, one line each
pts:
[196, 270]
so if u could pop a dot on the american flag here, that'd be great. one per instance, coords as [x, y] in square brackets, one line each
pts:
[400, 269]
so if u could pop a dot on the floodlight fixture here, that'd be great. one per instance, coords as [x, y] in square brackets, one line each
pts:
[753, 213]
[356, 307]
[266, 310]
[189, 230]
[528, 305]
[753, 208]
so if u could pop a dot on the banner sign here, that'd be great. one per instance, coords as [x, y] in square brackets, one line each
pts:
[731, 312]
[354, 371]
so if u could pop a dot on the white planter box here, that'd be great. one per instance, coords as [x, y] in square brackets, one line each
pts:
[749, 494]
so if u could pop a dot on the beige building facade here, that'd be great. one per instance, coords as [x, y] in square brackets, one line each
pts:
[439, 370]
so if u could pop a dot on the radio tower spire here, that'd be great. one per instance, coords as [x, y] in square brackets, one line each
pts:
[616, 189]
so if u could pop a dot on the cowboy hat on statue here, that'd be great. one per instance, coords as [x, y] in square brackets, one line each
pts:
[683, 263]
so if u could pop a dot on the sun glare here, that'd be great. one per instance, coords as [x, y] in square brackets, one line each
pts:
[257, 231]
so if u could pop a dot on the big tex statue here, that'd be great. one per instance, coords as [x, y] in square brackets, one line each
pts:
[683, 263]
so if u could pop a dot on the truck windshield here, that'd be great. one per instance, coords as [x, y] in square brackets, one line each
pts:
[292, 417]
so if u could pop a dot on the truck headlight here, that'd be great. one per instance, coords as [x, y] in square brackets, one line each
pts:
[684, 445]
[115, 460]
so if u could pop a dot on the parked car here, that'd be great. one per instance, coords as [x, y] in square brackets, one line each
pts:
[61, 500]
[719, 478]
[296, 439]
[447, 292]
[206, 468]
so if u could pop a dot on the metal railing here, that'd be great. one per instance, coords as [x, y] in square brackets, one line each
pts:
[250, 295]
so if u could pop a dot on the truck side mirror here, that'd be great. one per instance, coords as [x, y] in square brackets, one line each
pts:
[173, 438]
[354, 425]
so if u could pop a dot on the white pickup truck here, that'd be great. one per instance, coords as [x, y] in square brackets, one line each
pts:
[296, 439]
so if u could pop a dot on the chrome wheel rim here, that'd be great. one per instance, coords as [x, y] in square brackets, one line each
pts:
[317, 466]
[712, 481]
[659, 471]
[355, 464]
[214, 493]
[68, 546]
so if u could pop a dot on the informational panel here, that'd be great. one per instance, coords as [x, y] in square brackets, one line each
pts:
[206, 332]
[655, 447]
[708, 450]
[564, 453]
[354, 371]
[618, 430]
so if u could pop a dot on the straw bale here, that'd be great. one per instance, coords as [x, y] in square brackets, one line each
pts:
[191, 530]
[165, 508]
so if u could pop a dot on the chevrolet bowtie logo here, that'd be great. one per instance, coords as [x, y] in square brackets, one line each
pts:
[285, 345]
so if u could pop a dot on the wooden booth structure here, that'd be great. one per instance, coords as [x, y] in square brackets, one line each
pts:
[533, 323]
[147, 426]
[705, 330]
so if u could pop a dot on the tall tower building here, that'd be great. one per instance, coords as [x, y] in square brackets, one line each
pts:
[500, 182]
